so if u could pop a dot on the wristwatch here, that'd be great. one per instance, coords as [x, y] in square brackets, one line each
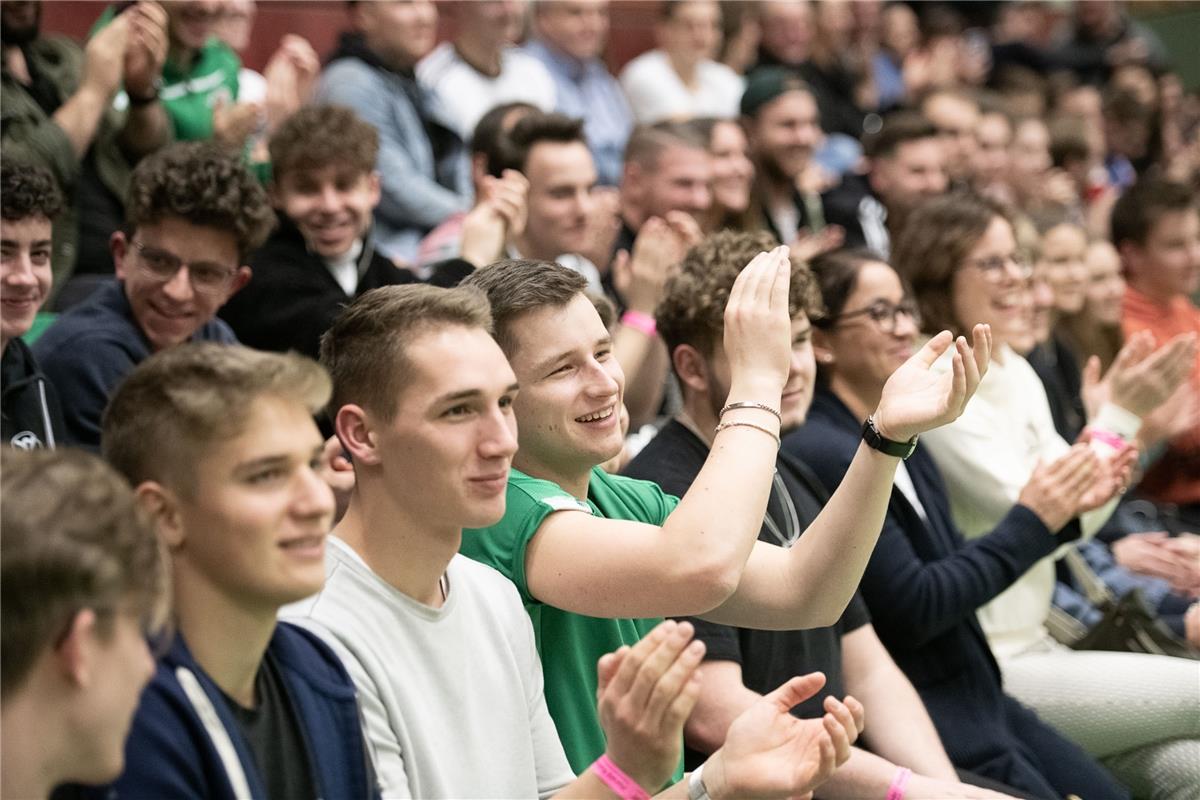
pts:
[696, 788]
[876, 440]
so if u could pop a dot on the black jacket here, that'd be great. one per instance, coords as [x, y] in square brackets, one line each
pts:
[292, 298]
[30, 415]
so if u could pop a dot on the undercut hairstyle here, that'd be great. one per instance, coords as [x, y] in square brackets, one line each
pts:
[74, 539]
[898, 128]
[932, 246]
[1144, 204]
[204, 184]
[320, 136]
[490, 137]
[647, 143]
[365, 350]
[183, 400]
[692, 309]
[518, 286]
[533, 129]
[28, 190]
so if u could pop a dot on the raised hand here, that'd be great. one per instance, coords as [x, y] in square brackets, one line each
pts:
[1056, 490]
[234, 122]
[1142, 377]
[146, 49]
[757, 338]
[291, 77]
[499, 214]
[644, 695]
[640, 277]
[769, 753]
[916, 398]
[104, 57]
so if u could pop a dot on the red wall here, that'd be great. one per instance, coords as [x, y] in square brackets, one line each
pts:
[320, 21]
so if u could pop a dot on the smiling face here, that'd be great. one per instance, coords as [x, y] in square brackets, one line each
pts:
[24, 274]
[1105, 286]
[998, 297]
[446, 452]
[170, 311]
[785, 132]
[578, 28]
[861, 353]
[1062, 263]
[561, 178]
[733, 172]
[255, 513]
[571, 390]
[331, 205]
[681, 180]
[401, 31]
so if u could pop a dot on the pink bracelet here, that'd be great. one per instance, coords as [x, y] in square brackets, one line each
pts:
[615, 778]
[896, 790]
[640, 321]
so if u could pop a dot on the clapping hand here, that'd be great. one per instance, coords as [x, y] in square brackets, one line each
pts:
[917, 398]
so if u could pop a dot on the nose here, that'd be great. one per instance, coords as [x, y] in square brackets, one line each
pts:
[600, 382]
[18, 271]
[328, 199]
[905, 326]
[179, 287]
[498, 437]
[313, 497]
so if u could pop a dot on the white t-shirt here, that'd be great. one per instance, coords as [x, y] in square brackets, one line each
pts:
[467, 94]
[451, 697]
[657, 93]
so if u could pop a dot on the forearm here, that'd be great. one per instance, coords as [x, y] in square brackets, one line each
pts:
[867, 777]
[644, 360]
[809, 585]
[709, 721]
[80, 115]
[146, 129]
[900, 729]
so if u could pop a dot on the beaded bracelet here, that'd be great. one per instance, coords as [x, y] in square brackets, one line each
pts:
[739, 423]
[751, 404]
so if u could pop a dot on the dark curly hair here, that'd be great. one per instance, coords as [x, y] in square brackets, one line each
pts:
[692, 310]
[205, 185]
[27, 190]
[321, 135]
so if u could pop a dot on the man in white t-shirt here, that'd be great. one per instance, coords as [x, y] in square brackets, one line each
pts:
[480, 69]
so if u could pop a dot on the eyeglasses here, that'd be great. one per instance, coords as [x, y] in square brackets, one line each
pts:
[995, 270]
[205, 277]
[884, 314]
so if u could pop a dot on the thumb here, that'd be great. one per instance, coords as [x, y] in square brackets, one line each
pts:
[621, 265]
[1091, 371]
[797, 690]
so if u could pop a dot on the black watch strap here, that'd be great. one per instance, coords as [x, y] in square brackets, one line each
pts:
[876, 440]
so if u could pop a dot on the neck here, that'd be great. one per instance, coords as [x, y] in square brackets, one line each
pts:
[528, 248]
[684, 66]
[399, 546]
[861, 400]
[182, 56]
[227, 638]
[483, 56]
[573, 480]
[633, 217]
[1151, 293]
[31, 764]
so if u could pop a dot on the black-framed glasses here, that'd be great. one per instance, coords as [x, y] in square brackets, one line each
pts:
[206, 277]
[884, 314]
[995, 268]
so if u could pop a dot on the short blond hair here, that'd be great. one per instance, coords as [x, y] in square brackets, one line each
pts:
[182, 400]
[365, 350]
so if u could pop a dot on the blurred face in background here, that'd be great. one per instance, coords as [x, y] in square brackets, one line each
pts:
[400, 31]
[578, 28]
[1105, 286]
[1062, 264]
[1029, 156]
[785, 133]
[191, 22]
[787, 30]
[733, 172]
[956, 119]
[993, 136]
[916, 170]
[692, 33]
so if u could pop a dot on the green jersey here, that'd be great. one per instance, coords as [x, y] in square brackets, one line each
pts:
[569, 644]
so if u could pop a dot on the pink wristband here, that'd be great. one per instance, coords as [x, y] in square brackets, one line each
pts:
[614, 778]
[896, 790]
[640, 322]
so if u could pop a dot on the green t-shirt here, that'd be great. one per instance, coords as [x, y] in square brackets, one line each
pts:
[569, 644]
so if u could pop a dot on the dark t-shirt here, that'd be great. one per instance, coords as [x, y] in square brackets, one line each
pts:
[272, 731]
[673, 459]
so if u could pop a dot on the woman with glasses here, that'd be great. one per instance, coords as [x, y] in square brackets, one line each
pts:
[924, 583]
[1136, 712]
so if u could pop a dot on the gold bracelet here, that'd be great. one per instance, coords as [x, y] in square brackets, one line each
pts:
[751, 404]
[739, 423]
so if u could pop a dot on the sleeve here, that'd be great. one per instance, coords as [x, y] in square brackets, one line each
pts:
[409, 199]
[84, 374]
[550, 760]
[387, 756]
[721, 642]
[30, 135]
[855, 615]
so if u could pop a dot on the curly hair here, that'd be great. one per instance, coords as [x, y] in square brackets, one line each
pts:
[205, 185]
[935, 241]
[692, 309]
[319, 136]
[27, 190]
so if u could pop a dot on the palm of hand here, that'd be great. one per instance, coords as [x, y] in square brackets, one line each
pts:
[916, 399]
[777, 753]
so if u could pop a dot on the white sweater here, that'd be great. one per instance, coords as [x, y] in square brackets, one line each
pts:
[451, 697]
[986, 457]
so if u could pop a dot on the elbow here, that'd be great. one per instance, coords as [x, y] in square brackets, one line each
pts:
[704, 585]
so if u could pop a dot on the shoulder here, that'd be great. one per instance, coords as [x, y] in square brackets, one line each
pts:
[309, 656]
[650, 63]
[438, 64]
[715, 71]
[622, 497]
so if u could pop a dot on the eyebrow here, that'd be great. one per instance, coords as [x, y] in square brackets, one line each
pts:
[276, 459]
[469, 394]
[544, 365]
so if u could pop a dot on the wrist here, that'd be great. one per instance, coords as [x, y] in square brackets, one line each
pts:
[620, 782]
[899, 784]
[714, 777]
[640, 321]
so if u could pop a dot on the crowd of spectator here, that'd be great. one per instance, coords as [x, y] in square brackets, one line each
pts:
[810, 407]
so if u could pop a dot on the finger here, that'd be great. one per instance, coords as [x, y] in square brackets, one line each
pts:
[827, 755]
[842, 714]
[781, 281]
[657, 664]
[857, 712]
[741, 285]
[970, 365]
[841, 744]
[934, 348]
[1091, 371]
[681, 707]
[632, 660]
[981, 338]
[606, 667]
[796, 690]
[958, 380]
[670, 685]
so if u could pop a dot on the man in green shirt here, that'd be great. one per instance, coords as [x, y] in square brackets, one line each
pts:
[598, 558]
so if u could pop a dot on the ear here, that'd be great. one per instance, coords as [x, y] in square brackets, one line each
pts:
[240, 279]
[75, 651]
[118, 245]
[161, 506]
[353, 427]
[821, 347]
[1131, 257]
[375, 186]
[691, 367]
